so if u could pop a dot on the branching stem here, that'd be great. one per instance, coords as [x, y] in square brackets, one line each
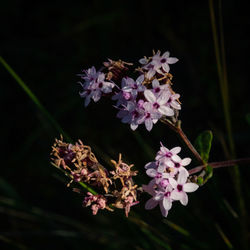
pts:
[183, 136]
[221, 164]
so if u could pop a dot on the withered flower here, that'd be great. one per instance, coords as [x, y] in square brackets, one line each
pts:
[115, 188]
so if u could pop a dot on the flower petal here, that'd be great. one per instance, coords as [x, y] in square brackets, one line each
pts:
[151, 164]
[175, 195]
[164, 212]
[149, 96]
[175, 105]
[173, 182]
[150, 73]
[176, 158]
[190, 187]
[166, 111]
[143, 61]
[166, 54]
[150, 204]
[161, 168]
[140, 79]
[182, 177]
[133, 126]
[155, 83]
[184, 199]
[185, 161]
[175, 150]
[163, 98]
[167, 204]
[151, 172]
[149, 189]
[159, 196]
[172, 60]
[148, 124]
[166, 68]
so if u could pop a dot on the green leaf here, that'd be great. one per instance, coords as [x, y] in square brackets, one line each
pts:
[203, 144]
[200, 180]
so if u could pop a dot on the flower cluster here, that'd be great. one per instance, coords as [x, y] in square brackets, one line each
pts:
[115, 188]
[94, 85]
[170, 180]
[143, 100]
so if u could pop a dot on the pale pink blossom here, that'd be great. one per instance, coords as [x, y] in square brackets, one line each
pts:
[159, 102]
[182, 187]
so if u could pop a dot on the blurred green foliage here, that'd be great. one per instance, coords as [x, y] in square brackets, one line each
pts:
[48, 44]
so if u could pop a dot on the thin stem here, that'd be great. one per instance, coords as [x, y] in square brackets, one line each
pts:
[183, 136]
[220, 164]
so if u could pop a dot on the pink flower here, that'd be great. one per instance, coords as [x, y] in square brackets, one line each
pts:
[158, 63]
[159, 102]
[163, 198]
[181, 187]
[164, 155]
[150, 117]
[178, 164]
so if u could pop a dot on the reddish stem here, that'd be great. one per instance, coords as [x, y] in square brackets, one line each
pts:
[220, 164]
[183, 136]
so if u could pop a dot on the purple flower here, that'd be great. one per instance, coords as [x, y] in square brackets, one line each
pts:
[132, 86]
[129, 90]
[130, 114]
[94, 86]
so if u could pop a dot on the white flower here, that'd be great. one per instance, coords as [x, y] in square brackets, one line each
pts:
[158, 63]
[164, 155]
[181, 187]
[159, 102]
[173, 103]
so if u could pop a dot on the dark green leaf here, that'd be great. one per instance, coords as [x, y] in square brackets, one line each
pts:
[203, 144]
[200, 180]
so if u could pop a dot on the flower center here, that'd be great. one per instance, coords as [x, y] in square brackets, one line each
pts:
[135, 114]
[157, 90]
[177, 165]
[164, 183]
[158, 176]
[100, 85]
[163, 60]
[167, 194]
[126, 95]
[168, 154]
[179, 187]
[156, 105]
[135, 86]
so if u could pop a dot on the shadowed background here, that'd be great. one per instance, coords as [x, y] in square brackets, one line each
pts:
[48, 44]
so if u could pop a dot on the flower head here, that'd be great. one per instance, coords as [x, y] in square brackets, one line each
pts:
[169, 181]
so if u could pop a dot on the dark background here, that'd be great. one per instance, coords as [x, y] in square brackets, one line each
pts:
[48, 44]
